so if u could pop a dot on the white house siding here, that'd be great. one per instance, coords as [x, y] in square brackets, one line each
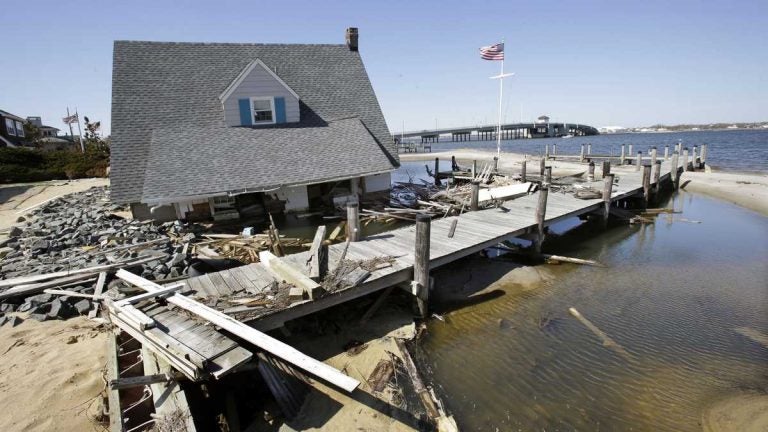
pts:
[378, 182]
[259, 83]
[295, 197]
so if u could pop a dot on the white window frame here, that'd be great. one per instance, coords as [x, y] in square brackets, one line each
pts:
[19, 129]
[272, 106]
[10, 126]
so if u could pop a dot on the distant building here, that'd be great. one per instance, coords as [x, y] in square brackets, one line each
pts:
[542, 119]
[45, 131]
[11, 130]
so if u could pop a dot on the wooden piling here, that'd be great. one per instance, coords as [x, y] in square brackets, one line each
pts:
[541, 211]
[548, 175]
[673, 171]
[623, 155]
[703, 156]
[474, 168]
[629, 151]
[666, 152]
[693, 159]
[581, 156]
[646, 184]
[474, 197]
[353, 221]
[522, 172]
[495, 164]
[607, 190]
[639, 162]
[542, 164]
[421, 263]
[546, 151]
[656, 178]
[589, 149]
[653, 155]
[437, 171]
[554, 150]
[685, 159]
[606, 168]
[591, 172]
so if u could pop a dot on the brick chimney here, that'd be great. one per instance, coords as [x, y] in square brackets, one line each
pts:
[352, 38]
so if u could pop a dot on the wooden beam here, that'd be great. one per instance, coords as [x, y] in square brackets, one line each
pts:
[97, 292]
[89, 270]
[284, 271]
[71, 293]
[318, 255]
[168, 289]
[250, 334]
[141, 381]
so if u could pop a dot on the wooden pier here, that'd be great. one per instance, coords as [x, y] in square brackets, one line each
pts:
[449, 239]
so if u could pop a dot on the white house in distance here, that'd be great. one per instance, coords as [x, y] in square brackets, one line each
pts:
[216, 130]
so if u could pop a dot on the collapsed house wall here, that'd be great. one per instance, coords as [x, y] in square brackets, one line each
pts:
[162, 213]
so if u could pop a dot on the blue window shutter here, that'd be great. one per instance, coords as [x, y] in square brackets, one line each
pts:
[245, 112]
[279, 110]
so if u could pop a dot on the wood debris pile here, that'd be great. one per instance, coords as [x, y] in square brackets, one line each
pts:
[350, 273]
[243, 248]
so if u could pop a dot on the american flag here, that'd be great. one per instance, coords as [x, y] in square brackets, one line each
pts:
[70, 119]
[493, 52]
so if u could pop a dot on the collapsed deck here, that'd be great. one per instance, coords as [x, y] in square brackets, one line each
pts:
[474, 232]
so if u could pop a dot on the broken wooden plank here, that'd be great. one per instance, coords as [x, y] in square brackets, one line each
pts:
[141, 381]
[282, 270]
[23, 280]
[97, 292]
[607, 341]
[318, 254]
[137, 298]
[71, 293]
[250, 334]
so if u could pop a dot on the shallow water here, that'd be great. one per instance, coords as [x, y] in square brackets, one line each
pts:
[737, 150]
[671, 297]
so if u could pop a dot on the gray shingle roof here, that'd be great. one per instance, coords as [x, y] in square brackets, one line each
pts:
[168, 122]
[315, 154]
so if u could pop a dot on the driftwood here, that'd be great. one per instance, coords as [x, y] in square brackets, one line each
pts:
[607, 341]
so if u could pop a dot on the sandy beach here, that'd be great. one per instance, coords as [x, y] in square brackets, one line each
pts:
[748, 190]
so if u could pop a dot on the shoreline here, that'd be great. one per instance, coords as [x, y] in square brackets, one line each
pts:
[745, 189]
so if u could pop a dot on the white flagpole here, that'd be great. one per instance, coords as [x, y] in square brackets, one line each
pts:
[80, 131]
[501, 95]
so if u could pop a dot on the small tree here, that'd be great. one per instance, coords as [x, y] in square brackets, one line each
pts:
[32, 133]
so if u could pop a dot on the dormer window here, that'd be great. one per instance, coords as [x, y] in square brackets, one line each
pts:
[262, 110]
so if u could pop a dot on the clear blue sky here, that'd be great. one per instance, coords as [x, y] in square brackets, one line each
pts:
[600, 62]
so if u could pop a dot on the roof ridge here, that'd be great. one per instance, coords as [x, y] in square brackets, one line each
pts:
[126, 41]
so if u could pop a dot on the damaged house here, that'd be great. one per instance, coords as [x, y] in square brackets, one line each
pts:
[226, 131]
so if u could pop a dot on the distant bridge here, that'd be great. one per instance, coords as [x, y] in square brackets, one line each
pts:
[508, 131]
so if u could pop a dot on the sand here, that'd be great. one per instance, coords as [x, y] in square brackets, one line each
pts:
[14, 198]
[740, 413]
[329, 409]
[51, 375]
[748, 190]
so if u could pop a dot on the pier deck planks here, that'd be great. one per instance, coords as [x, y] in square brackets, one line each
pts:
[474, 232]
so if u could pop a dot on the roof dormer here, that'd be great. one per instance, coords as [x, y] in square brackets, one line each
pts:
[259, 97]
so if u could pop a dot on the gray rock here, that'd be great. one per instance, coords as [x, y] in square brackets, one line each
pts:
[3, 319]
[39, 245]
[13, 321]
[15, 232]
[26, 307]
[7, 307]
[21, 219]
[39, 317]
[39, 299]
[60, 309]
[177, 259]
[83, 306]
